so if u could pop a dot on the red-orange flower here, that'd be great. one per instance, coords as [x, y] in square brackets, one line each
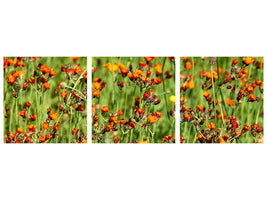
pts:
[28, 104]
[190, 84]
[56, 127]
[41, 139]
[246, 128]
[244, 71]
[45, 126]
[152, 119]
[249, 88]
[235, 61]
[45, 69]
[46, 86]
[220, 140]
[80, 107]
[206, 94]
[200, 108]
[19, 130]
[186, 116]
[33, 117]
[31, 127]
[22, 113]
[54, 116]
[52, 73]
[104, 109]
[116, 140]
[229, 101]
[122, 121]
[119, 112]
[210, 125]
[252, 97]
[248, 60]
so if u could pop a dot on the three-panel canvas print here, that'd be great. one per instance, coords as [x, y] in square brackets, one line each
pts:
[133, 100]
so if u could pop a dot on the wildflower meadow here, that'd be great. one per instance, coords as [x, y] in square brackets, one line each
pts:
[221, 99]
[45, 100]
[133, 100]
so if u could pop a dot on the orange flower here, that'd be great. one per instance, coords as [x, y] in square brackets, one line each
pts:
[220, 140]
[41, 139]
[112, 67]
[11, 79]
[117, 139]
[33, 117]
[74, 58]
[208, 75]
[31, 127]
[210, 125]
[54, 116]
[80, 107]
[119, 112]
[186, 116]
[46, 86]
[158, 68]
[249, 60]
[22, 113]
[142, 64]
[96, 93]
[104, 109]
[113, 119]
[45, 69]
[206, 94]
[52, 73]
[149, 59]
[184, 108]
[64, 94]
[152, 119]
[28, 104]
[56, 127]
[85, 76]
[19, 130]
[229, 101]
[47, 136]
[188, 65]
[77, 70]
[235, 61]
[200, 108]
[11, 135]
[241, 92]
[252, 97]
[244, 71]
[43, 80]
[95, 118]
[220, 70]
[25, 86]
[246, 128]
[190, 84]
[17, 74]
[122, 121]
[258, 82]
[45, 126]
[249, 88]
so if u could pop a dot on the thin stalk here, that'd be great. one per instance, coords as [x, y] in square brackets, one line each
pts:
[164, 89]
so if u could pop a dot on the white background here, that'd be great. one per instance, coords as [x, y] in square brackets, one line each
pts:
[132, 28]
